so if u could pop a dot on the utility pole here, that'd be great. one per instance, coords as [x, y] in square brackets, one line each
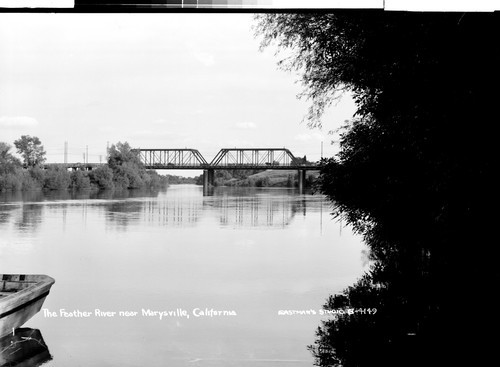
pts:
[87, 153]
[321, 150]
[65, 152]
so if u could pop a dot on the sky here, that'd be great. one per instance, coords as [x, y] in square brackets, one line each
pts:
[153, 80]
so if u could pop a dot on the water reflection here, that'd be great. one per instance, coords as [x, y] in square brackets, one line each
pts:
[183, 206]
[25, 348]
[184, 212]
[180, 249]
[5, 213]
[178, 206]
[26, 218]
[37, 196]
[30, 218]
[256, 211]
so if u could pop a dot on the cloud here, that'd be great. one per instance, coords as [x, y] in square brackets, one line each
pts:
[17, 121]
[246, 125]
[206, 58]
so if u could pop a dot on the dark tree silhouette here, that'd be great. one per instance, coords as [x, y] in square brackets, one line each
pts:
[414, 176]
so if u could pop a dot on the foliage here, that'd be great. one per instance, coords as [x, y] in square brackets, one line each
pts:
[174, 180]
[124, 170]
[10, 181]
[414, 174]
[258, 178]
[198, 180]
[8, 163]
[126, 166]
[102, 177]
[56, 179]
[121, 154]
[37, 175]
[31, 149]
[80, 180]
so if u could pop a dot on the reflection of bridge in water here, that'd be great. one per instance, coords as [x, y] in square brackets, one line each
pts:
[274, 211]
[173, 211]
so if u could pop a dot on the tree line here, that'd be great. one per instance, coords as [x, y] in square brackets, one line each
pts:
[122, 171]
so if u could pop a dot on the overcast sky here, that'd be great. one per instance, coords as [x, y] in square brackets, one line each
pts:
[154, 80]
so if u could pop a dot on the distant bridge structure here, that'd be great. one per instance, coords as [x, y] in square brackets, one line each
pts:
[254, 158]
[171, 158]
[226, 159]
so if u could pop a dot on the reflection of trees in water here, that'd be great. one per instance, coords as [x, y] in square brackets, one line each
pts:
[418, 305]
[26, 209]
[123, 213]
[6, 213]
[25, 348]
[31, 215]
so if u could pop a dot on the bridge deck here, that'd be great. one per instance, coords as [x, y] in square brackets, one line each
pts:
[234, 167]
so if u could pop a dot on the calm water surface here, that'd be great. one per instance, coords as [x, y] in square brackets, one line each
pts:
[250, 252]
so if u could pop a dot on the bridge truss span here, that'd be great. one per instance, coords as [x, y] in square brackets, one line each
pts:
[171, 158]
[253, 157]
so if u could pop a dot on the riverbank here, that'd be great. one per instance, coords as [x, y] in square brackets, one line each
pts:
[101, 178]
[268, 178]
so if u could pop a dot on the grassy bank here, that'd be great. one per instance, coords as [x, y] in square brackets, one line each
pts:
[268, 178]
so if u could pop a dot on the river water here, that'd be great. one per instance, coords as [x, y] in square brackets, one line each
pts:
[217, 269]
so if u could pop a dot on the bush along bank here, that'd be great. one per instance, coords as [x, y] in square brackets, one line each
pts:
[123, 171]
[101, 178]
[268, 178]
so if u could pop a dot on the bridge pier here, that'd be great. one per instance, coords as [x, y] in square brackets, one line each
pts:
[302, 180]
[208, 179]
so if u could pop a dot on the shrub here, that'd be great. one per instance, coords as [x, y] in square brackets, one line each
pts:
[56, 179]
[102, 177]
[80, 180]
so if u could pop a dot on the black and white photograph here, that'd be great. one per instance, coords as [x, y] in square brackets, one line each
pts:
[248, 183]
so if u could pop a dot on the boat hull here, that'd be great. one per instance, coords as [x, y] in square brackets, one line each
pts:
[21, 297]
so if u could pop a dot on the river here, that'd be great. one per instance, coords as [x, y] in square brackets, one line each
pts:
[176, 278]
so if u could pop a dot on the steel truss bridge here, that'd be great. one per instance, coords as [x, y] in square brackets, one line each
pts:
[227, 158]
